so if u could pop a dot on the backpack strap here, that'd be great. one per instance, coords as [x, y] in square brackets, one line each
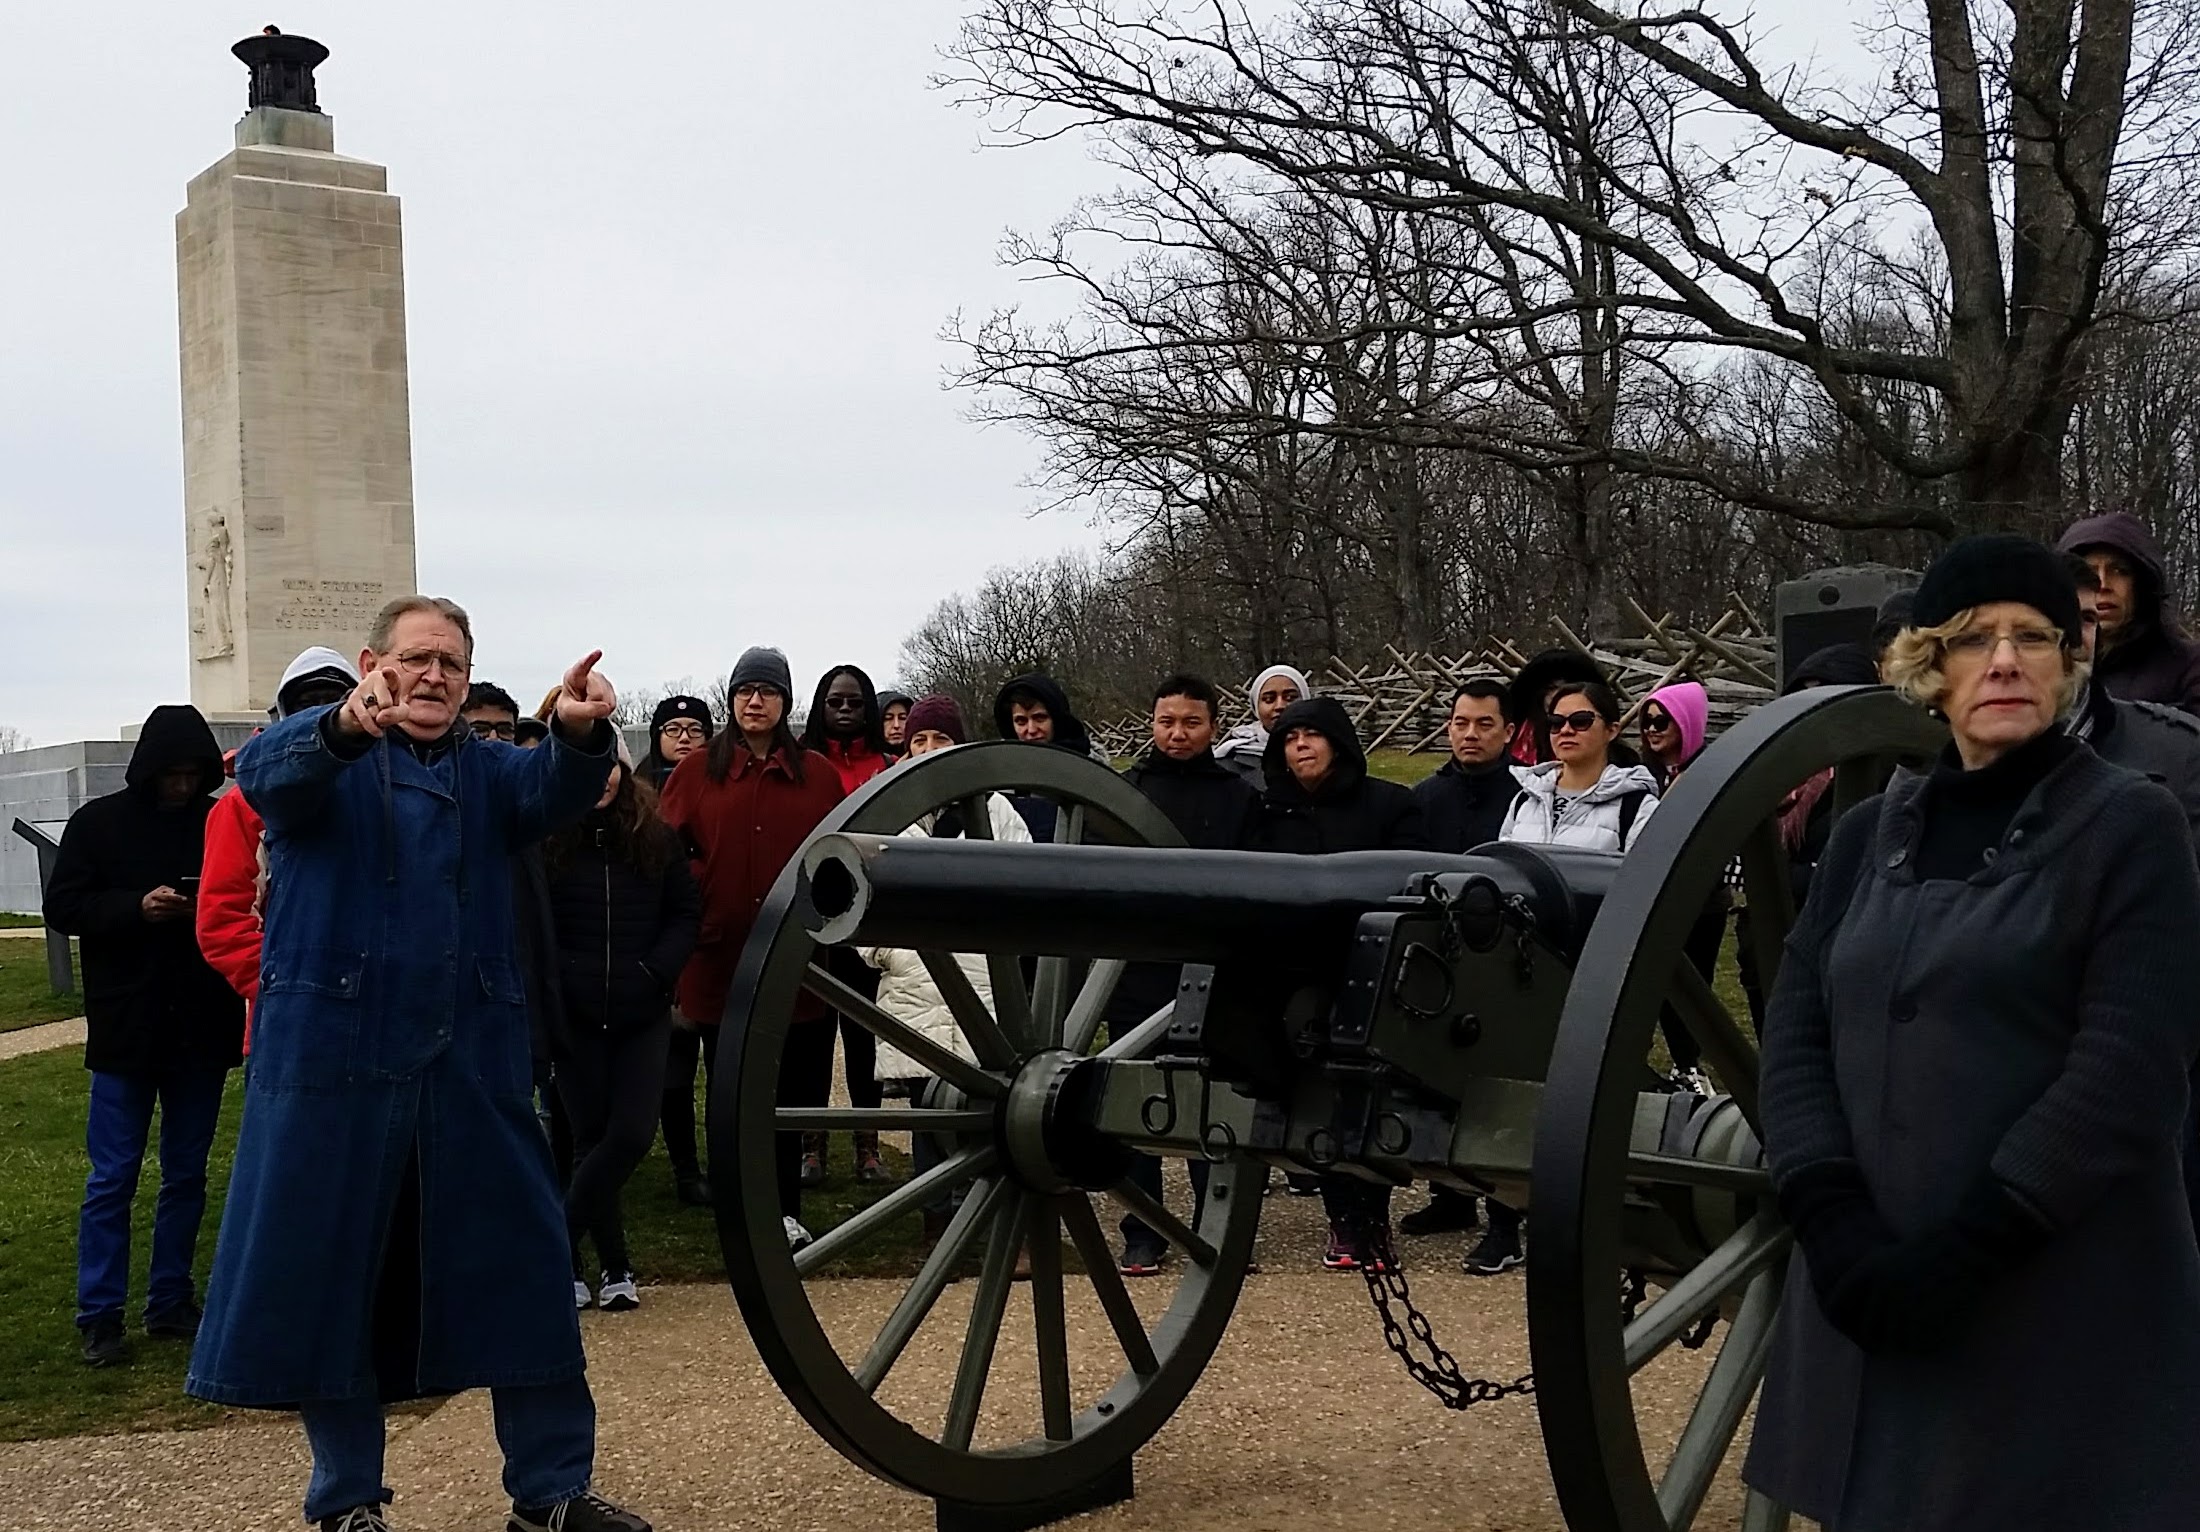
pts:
[1630, 805]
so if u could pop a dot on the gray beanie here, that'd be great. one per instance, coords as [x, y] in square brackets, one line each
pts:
[762, 667]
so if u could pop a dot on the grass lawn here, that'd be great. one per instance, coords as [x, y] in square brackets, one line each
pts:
[45, 1388]
[7, 919]
[1400, 766]
[26, 998]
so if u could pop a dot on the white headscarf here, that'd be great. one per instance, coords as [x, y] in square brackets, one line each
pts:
[1251, 736]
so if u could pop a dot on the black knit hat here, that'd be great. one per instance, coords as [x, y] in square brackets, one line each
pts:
[694, 708]
[1998, 566]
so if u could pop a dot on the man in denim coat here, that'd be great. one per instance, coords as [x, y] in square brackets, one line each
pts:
[394, 1227]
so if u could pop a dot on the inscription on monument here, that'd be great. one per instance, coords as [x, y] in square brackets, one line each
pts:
[317, 604]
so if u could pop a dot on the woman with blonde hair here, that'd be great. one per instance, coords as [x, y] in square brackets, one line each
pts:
[1974, 1080]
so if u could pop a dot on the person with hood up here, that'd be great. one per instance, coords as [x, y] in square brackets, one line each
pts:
[623, 913]
[678, 727]
[1974, 1086]
[2155, 741]
[893, 722]
[1034, 710]
[1320, 798]
[745, 806]
[847, 728]
[1675, 720]
[1244, 749]
[233, 875]
[394, 1229]
[162, 1027]
[906, 990]
[2145, 654]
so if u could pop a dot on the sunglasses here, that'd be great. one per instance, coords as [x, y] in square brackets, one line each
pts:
[1656, 723]
[1573, 723]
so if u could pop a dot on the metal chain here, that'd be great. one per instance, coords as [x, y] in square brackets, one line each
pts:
[1440, 1374]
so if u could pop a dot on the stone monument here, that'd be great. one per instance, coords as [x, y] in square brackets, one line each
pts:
[297, 438]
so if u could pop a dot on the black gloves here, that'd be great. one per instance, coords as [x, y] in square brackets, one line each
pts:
[1904, 1296]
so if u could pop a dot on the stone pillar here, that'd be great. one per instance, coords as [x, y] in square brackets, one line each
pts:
[297, 440]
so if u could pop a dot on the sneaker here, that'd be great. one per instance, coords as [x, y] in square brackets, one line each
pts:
[105, 1344]
[1302, 1186]
[872, 1171]
[813, 1170]
[1142, 1257]
[797, 1236]
[693, 1191]
[585, 1512]
[619, 1293]
[360, 1518]
[582, 1297]
[1694, 1079]
[1343, 1253]
[1447, 1213]
[179, 1321]
[1497, 1251]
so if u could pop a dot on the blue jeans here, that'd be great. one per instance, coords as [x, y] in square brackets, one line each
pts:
[115, 1131]
[547, 1431]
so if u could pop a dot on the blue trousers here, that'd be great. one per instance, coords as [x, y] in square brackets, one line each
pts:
[115, 1133]
[547, 1431]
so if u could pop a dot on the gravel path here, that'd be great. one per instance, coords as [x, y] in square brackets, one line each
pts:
[38, 1039]
[1303, 1421]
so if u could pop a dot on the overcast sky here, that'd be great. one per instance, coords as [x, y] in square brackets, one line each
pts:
[675, 276]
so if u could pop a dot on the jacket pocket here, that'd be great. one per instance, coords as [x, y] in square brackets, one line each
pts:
[502, 1052]
[500, 980]
[331, 971]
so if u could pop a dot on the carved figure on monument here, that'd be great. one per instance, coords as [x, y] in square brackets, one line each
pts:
[210, 623]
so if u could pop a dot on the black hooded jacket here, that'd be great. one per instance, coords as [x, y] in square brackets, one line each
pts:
[1209, 804]
[1463, 807]
[2153, 660]
[1349, 811]
[1070, 734]
[151, 1002]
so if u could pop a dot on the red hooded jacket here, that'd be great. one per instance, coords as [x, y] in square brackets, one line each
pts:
[228, 913]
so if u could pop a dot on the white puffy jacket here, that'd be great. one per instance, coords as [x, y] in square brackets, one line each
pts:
[906, 991]
[1591, 821]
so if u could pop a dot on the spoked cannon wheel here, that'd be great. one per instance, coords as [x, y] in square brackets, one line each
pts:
[1595, 1198]
[923, 1395]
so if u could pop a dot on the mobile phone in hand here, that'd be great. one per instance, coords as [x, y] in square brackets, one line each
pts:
[188, 887]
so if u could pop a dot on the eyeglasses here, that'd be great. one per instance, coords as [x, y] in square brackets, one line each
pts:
[845, 704]
[418, 662]
[2030, 643]
[750, 690]
[682, 731]
[485, 729]
[1573, 723]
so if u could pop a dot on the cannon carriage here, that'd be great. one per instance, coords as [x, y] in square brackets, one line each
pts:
[1486, 1021]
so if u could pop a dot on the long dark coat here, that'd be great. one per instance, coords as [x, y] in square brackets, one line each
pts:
[2036, 1019]
[389, 1104]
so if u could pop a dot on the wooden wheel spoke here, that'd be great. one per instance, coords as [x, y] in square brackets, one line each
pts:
[1011, 1001]
[977, 816]
[944, 1062]
[1726, 1047]
[987, 1040]
[1746, 1253]
[1049, 985]
[1107, 1284]
[881, 1119]
[1732, 1383]
[1761, 1513]
[987, 1307]
[1176, 1231]
[931, 1280]
[1770, 889]
[1050, 1322]
[1143, 1036]
[959, 1167]
[1082, 1024]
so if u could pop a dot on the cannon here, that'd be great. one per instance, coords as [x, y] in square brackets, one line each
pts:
[1488, 1022]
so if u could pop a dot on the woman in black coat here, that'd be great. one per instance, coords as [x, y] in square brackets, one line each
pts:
[1321, 799]
[624, 912]
[1975, 1064]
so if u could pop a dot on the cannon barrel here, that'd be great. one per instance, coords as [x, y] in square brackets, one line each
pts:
[1170, 904]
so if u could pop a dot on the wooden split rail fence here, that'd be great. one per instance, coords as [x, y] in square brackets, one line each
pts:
[1400, 701]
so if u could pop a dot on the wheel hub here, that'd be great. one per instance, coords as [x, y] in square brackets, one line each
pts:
[1048, 1140]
